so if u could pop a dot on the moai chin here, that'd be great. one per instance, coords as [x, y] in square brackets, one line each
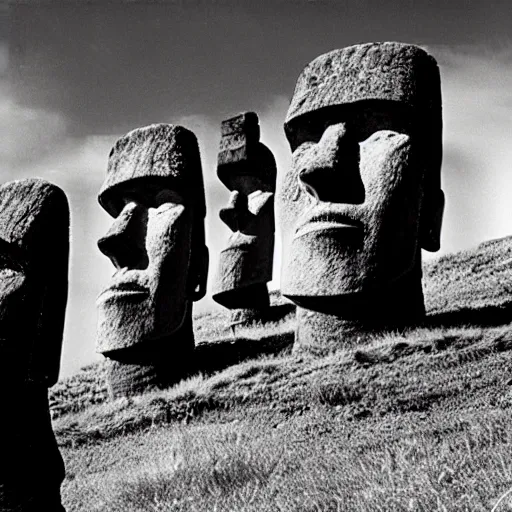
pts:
[362, 196]
[34, 251]
[154, 190]
[248, 169]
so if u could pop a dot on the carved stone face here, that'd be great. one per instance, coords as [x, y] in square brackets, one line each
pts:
[154, 190]
[362, 195]
[150, 244]
[350, 204]
[34, 248]
[245, 265]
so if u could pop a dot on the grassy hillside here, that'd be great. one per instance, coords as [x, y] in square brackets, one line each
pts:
[473, 286]
[418, 420]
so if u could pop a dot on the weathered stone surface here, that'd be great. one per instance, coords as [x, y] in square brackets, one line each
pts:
[34, 238]
[154, 189]
[158, 150]
[363, 195]
[247, 168]
[389, 71]
[240, 136]
[154, 365]
[343, 322]
[34, 249]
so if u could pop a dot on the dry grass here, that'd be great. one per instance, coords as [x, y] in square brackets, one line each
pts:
[306, 463]
[416, 421]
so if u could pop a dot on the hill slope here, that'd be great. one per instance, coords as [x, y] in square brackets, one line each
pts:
[411, 421]
[473, 286]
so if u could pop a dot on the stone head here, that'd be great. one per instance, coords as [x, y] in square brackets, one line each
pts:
[34, 251]
[363, 194]
[247, 168]
[154, 190]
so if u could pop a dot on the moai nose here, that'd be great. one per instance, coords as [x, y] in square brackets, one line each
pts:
[236, 212]
[125, 241]
[332, 172]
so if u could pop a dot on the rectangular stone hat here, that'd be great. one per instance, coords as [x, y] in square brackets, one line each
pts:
[391, 71]
[241, 153]
[238, 145]
[166, 151]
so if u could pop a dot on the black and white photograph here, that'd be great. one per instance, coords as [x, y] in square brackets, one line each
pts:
[256, 256]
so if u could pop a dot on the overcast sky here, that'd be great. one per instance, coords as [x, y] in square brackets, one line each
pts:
[76, 75]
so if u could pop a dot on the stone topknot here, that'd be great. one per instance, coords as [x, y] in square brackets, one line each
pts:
[242, 153]
[161, 150]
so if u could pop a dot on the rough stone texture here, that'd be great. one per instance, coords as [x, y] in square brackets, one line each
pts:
[154, 188]
[341, 322]
[389, 71]
[34, 241]
[240, 136]
[362, 196]
[248, 169]
[151, 365]
[158, 150]
[34, 249]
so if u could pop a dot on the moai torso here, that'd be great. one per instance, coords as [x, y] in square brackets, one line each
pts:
[34, 250]
[154, 190]
[247, 168]
[362, 196]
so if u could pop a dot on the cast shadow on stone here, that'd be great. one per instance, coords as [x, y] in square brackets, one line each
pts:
[34, 250]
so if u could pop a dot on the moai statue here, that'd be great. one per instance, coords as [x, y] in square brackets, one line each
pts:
[248, 169]
[363, 194]
[34, 250]
[154, 190]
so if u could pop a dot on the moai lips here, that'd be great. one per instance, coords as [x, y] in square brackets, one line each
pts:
[363, 195]
[34, 250]
[154, 190]
[247, 168]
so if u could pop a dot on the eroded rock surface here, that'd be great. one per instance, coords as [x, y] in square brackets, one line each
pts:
[154, 190]
[362, 196]
[34, 250]
[247, 168]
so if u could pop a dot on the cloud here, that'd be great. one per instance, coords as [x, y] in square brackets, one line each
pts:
[26, 134]
[36, 142]
[477, 98]
[4, 57]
